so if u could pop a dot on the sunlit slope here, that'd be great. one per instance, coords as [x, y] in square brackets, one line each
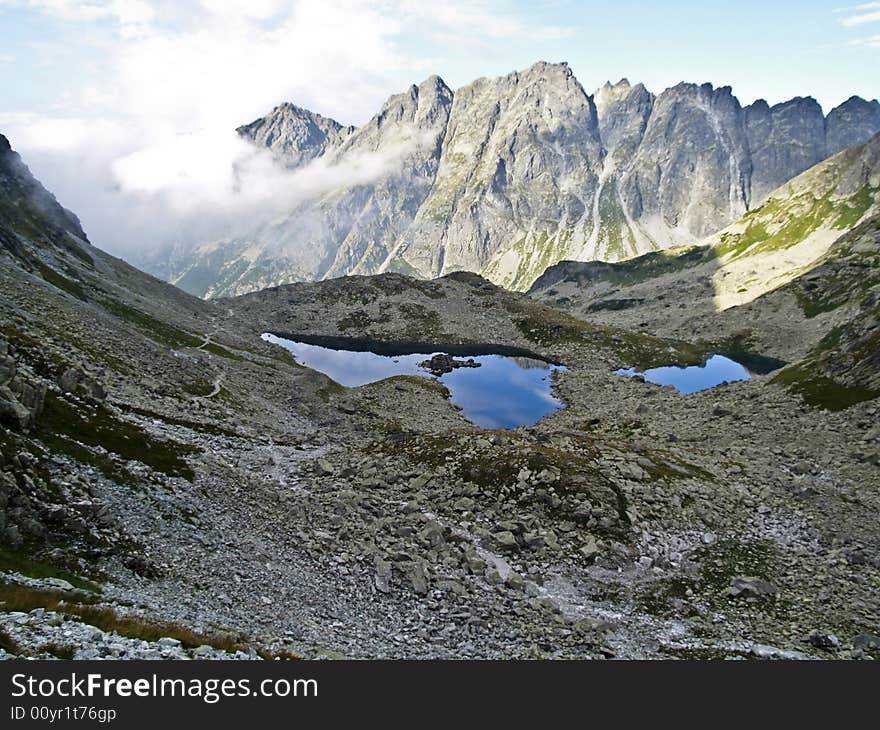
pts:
[778, 241]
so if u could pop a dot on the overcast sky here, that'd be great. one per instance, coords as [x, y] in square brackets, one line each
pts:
[118, 104]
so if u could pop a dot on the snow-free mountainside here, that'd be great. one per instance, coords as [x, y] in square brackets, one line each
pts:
[508, 176]
[173, 486]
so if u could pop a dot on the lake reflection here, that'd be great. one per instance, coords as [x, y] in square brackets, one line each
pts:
[693, 378]
[504, 392]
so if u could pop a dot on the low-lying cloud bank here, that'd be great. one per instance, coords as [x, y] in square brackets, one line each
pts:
[186, 189]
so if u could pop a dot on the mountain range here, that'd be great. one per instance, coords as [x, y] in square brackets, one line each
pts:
[510, 175]
[174, 486]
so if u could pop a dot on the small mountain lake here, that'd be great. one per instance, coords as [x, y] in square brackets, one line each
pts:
[716, 370]
[502, 387]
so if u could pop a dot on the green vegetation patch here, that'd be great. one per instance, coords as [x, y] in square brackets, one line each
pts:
[719, 564]
[820, 391]
[15, 597]
[60, 282]
[610, 305]
[549, 327]
[156, 330]
[7, 643]
[21, 560]
[209, 428]
[793, 220]
[69, 428]
[402, 266]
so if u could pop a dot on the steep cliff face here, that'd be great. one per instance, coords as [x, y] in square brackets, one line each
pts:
[23, 199]
[407, 136]
[814, 237]
[853, 122]
[510, 175]
[784, 140]
[521, 160]
[690, 173]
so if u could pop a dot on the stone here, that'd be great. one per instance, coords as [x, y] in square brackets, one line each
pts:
[822, 640]
[866, 642]
[441, 364]
[505, 540]
[764, 651]
[463, 504]
[383, 576]
[590, 550]
[493, 577]
[432, 534]
[420, 482]
[417, 577]
[58, 583]
[474, 563]
[750, 588]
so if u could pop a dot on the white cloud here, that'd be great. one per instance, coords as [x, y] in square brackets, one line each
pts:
[131, 16]
[142, 146]
[862, 18]
[860, 14]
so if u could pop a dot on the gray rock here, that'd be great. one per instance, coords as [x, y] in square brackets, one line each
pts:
[418, 577]
[463, 504]
[750, 588]
[590, 550]
[294, 135]
[505, 540]
[763, 651]
[866, 642]
[822, 640]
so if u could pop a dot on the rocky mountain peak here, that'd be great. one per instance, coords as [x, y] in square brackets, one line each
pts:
[295, 135]
[422, 108]
[853, 122]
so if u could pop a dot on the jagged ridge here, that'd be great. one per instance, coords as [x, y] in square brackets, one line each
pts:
[508, 176]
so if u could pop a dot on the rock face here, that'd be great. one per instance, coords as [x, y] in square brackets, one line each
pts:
[521, 159]
[689, 175]
[18, 185]
[853, 122]
[511, 175]
[784, 140]
[294, 135]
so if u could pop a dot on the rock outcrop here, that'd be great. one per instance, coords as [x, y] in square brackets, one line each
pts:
[294, 135]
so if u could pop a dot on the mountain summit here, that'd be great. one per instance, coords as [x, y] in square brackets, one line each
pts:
[510, 175]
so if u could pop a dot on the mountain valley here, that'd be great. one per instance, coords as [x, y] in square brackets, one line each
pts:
[171, 485]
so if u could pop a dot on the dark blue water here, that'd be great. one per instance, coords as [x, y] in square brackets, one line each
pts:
[690, 379]
[504, 392]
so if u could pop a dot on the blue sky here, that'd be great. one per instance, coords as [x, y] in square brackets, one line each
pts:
[55, 55]
[118, 104]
